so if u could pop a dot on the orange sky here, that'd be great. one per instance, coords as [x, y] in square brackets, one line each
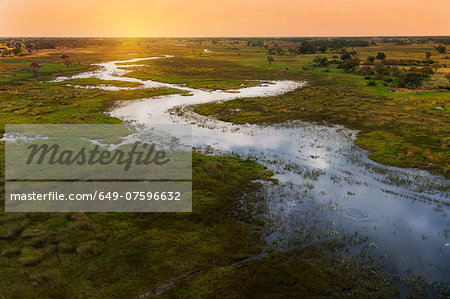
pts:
[148, 18]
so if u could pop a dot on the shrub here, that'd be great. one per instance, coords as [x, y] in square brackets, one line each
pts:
[365, 70]
[320, 60]
[427, 70]
[351, 64]
[381, 56]
[441, 49]
[411, 79]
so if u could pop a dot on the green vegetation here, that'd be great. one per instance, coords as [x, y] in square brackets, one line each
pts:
[407, 128]
[124, 254]
[196, 72]
[45, 103]
[307, 272]
[16, 71]
[28, 99]
[95, 81]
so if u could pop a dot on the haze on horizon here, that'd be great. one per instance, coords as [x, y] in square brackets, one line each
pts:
[196, 18]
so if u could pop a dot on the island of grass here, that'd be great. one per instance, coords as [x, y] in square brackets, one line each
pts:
[206, 74]
[96, 82]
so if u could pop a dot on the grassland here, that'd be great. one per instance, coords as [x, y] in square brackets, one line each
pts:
[398, 128]
[96, 82]
[124, 254]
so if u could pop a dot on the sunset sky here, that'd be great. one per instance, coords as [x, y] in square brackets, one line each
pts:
[148, 18]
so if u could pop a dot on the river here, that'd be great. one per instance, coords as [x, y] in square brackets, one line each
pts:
[328, 187]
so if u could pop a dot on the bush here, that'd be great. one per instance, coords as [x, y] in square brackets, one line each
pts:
[320, 61]
[441, 49]
[350, 65]
[411, 79]
[427, 70]
[381, 56]
[365, 70]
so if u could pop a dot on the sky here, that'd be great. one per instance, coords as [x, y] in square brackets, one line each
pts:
[234, 18]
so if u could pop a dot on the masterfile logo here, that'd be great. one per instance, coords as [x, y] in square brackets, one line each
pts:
[56, 168]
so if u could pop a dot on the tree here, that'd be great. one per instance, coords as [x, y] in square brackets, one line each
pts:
[306, 48]
[427, 55]
[17, 48]
[66, 60]
[371, 83]
[411, 79]
[270, 59]
[371, 59]
[346, 56]
[441, 49]
[29, 46]
[365, 70]
[427, 70]
[350, 65]
[323, 49]
[279, 51]
[320, 60]
[35, 67]
[381, 56]
[436, 65]
[381, 70]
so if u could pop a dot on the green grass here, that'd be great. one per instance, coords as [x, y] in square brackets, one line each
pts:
[21, 71]
[95, 82]
[299, 273]
[195, 72]
[124, 254]
[59, 104]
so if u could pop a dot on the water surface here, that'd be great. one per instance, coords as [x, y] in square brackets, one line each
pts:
[328, 187]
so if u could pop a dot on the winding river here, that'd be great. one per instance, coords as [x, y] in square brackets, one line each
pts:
[328, 187]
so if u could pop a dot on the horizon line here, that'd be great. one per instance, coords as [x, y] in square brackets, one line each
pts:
[174, 37]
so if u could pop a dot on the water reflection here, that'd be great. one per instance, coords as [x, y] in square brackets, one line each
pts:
[328, 187]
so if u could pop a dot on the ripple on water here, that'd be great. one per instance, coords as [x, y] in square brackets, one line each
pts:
[359, 214]
[356, 213]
